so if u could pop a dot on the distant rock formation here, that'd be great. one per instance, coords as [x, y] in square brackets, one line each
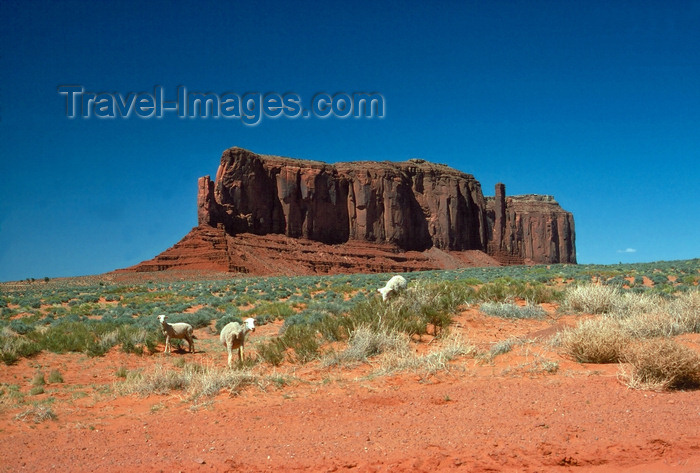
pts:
[275, 215]
[529, 228]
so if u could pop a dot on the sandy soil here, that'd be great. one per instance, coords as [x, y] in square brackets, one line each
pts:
[527, 410]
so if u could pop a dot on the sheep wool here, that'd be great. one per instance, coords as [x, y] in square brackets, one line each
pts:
[179, 330]
[233, 337]
[393, 286]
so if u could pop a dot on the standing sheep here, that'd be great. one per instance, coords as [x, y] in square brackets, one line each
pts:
[233, 336]
[179, 330]
[393, 286]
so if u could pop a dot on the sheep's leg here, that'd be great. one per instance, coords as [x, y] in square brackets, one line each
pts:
[240, 353]
[190, 342]
[167, 344]
[230, 356]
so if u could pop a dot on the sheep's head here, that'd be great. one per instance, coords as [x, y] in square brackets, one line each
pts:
[250, 324]
[162, 318]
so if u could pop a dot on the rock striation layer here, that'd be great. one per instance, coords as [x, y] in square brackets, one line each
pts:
[276, 215]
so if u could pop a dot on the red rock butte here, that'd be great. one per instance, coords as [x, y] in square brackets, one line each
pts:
[271, 215]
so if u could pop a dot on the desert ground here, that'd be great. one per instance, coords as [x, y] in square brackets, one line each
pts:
[529, 410]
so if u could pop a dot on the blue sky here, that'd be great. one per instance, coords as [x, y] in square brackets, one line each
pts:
[596, 103]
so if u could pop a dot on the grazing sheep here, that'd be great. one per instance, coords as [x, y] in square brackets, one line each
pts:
[233, 336]
[393, 286]
[180, 330]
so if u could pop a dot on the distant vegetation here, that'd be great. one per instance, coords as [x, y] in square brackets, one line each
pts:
[635, 303]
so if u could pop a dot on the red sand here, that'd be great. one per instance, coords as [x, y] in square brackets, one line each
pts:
[506, 415]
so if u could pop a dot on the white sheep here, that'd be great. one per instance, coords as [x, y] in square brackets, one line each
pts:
[233, 336]
[179, 330]
[393, 286]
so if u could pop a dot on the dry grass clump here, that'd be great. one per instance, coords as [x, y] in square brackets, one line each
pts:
[595, 341]
[650, 325]
[685, 311]
[392, 352]
[195, 379]
[365, 342]
[590, 299]
[629, 303]
[430, 363]
[499, 348]
[664, 318]
[37, 414]
[661, 364]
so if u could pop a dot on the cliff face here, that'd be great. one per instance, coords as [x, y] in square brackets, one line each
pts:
[530, 228]
[414, 205]
[363, 216]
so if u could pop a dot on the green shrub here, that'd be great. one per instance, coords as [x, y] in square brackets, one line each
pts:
[302, 340]
[272, 351]
[225, 320]
[276, 310]
[512, 311]
[13, 348]
[423, 303]
[20, 327]
[507, 289]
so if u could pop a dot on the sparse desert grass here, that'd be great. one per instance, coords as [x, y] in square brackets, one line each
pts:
[272, 352]
[664, 318]
[507, 289]
[195, 380]
[37, 414]
[661, 364]
[39, 379]
[364, 342]
[12, 348]
[346, 311]
[55, 377]
[539, 365]
[600, 340]
[650, 325]
[631, 303]
[11, 394]
[590, 299]
[512, 311]
[437, 360]
[685, 311]
[502, 347]
[300, 343]
[423, 303]
[93, 339]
